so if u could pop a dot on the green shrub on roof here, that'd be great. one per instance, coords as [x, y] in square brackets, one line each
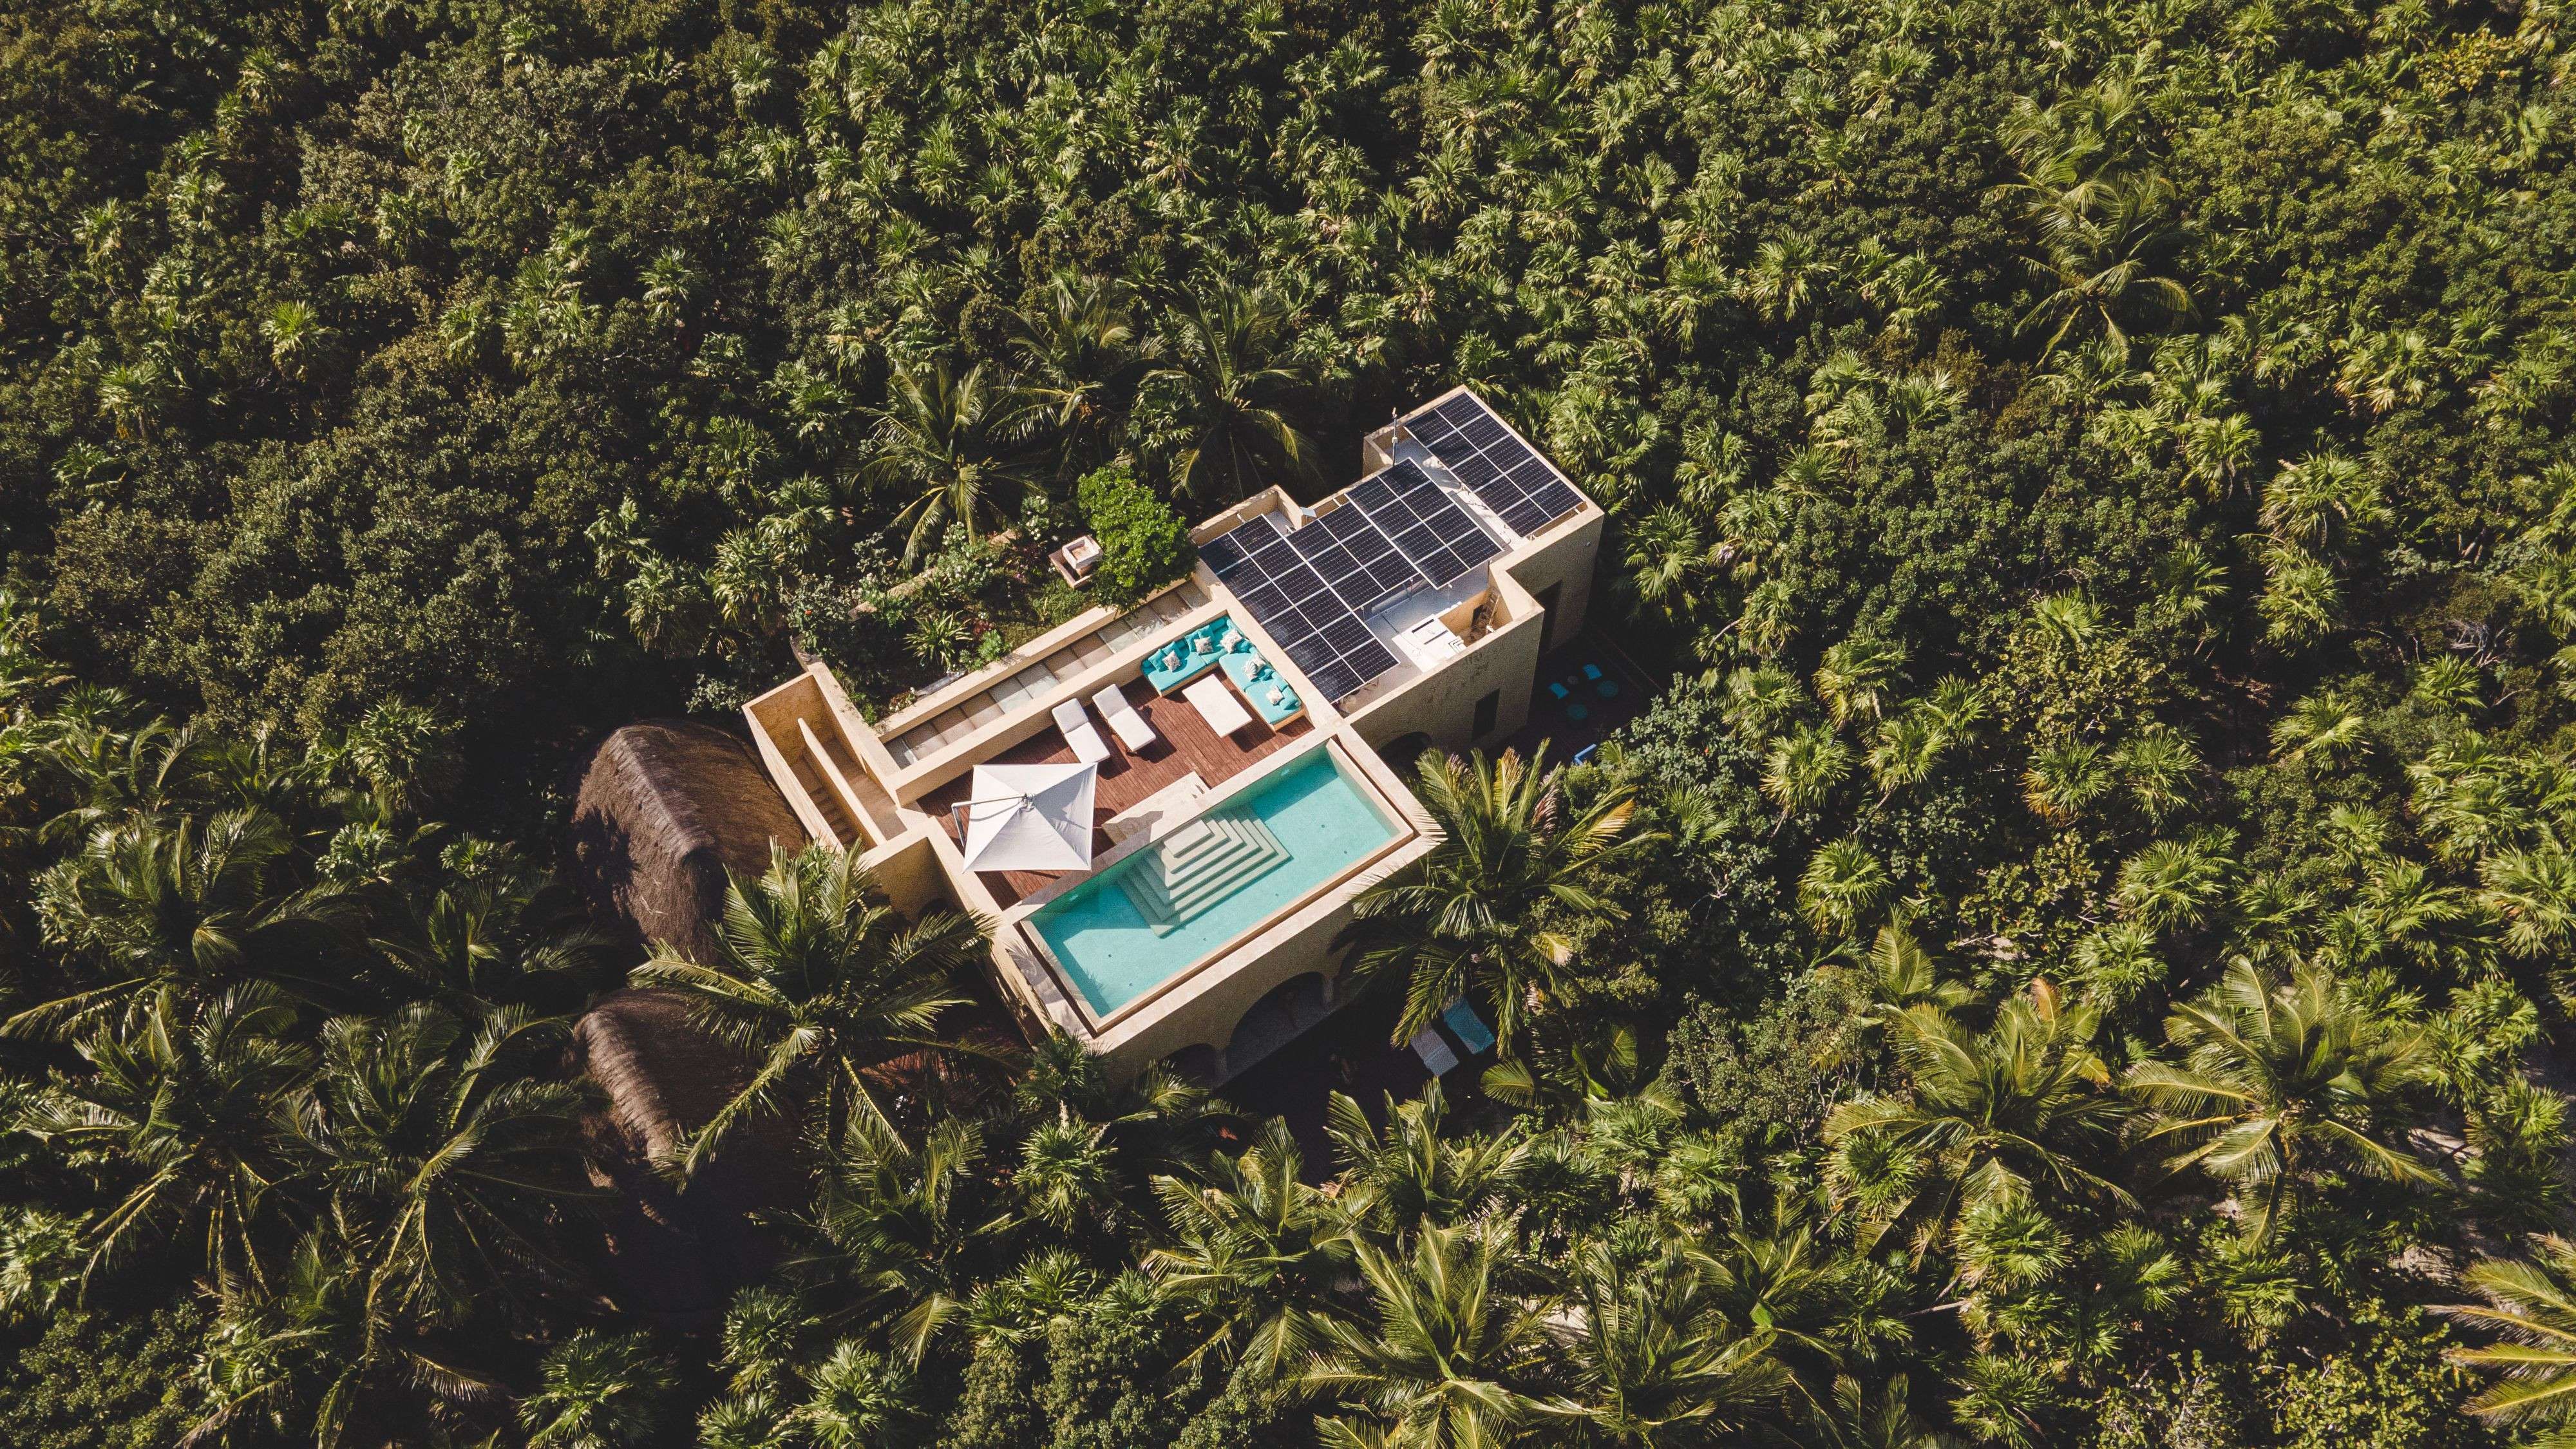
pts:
[1143, 543]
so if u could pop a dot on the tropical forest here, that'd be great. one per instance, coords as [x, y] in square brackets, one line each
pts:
[2077, 947]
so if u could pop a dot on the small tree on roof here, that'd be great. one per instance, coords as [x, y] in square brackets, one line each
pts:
[1143, 543]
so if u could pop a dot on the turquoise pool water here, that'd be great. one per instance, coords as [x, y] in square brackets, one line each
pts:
[1256, 853]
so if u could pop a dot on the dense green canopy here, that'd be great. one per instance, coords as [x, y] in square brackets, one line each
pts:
[2077, 953]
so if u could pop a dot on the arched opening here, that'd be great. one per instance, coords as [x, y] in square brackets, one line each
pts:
[1400, 752]
[1278, 1019]
[1202, 1065]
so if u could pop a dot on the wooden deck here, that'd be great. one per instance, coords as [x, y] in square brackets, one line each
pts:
[1126, 778]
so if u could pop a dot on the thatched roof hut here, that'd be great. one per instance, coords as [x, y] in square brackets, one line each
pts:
[678, 1250]
[665, 808]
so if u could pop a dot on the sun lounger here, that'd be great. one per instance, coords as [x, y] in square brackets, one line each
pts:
[1088, 746]
[1434, 1052]
[1217, 705]
[1469, 1027]
[1130, 727]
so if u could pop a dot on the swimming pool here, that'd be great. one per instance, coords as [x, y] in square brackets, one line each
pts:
[1150, 915]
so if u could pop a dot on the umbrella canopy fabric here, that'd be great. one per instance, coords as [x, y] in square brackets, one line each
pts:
[1030, 817]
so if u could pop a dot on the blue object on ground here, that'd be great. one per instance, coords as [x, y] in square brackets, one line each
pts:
[1468, 1027]
[1559, 690]
[1584, 756]
[1577, 712]
[1609, 688]
[1592, 671]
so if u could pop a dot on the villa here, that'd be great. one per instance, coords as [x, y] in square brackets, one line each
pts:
[1168, 810]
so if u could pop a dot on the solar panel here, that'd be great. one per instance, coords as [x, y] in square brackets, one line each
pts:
[1308, 589]
[1496, 466]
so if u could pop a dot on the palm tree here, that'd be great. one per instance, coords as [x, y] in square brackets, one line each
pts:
[1901, 975]
[1657, 1364]
[2171, 884]
[2063, 779]
[899, 1226]
[600, 1391]
[2278, 1086]
[1441, 1361]
[1516, 856]
[2531, 1303]
[1670, 559]
[181, 1109]
[1854, 677]
[818, 980]
[1255, 1248]
[1407, 1177]
[958, 445]
[442, 1149]
[1802, 770]
[313, 1361]
[188, 906]
[1884, 1418]
[1985, 1116]
[1841, 884]
[1080, 363]
[2099, 262]
[495, 931]
[1230, 385]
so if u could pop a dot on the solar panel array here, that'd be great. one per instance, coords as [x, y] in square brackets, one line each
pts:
[1499, 468]
[1423, 523]
[1282, 586]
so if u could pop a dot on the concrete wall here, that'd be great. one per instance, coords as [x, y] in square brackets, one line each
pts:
[1442, 704]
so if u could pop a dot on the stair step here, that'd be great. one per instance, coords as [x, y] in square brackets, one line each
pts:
[1197, 866]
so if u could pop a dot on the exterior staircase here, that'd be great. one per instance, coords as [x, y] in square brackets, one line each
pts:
[1198, 865]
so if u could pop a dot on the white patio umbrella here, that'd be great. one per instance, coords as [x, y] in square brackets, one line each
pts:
[1030, 817]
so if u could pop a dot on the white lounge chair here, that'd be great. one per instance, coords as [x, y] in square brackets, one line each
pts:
[1132, 729]
[1088, 746]
[1435, 1053]
[1217, 705]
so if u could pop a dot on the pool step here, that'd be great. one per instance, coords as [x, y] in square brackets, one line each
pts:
[1198, 865]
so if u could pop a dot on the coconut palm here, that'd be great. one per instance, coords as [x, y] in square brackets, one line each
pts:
[441, 1146]
[599, 1391]
[898, 1226]
[1821, 1307]
[1254, 1248]
[1408, 1176]
[1230, 385]
[1080, 362]
[961, 446]
[1485, 915]
[192, 907]
[1655, 1363]
[2099, 262]
[314, 1361]
[494, 931]
[2279, 1086]
[1445, 1358]
[1987, 1116]
[1901, 975]
[2531, 1305]
[179, 1107]
[1882, 1418]
[817, 980]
